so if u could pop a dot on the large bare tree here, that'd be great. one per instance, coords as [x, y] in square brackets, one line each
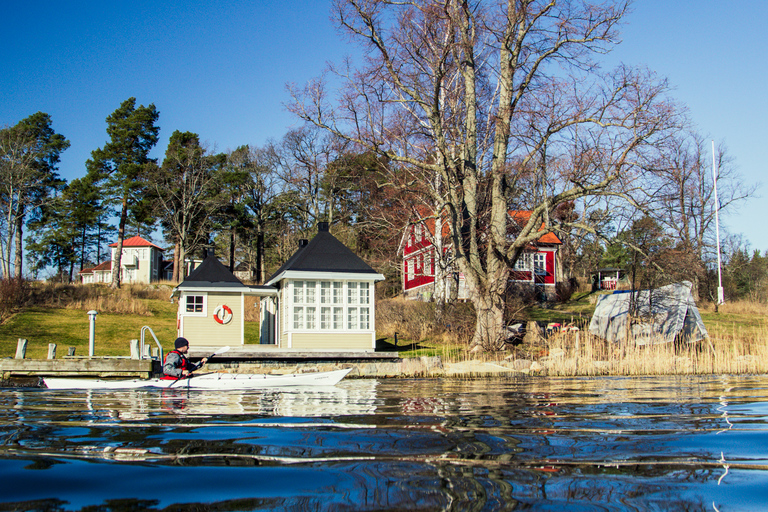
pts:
[497, 105]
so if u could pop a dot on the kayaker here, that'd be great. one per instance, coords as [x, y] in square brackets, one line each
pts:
[176, 365]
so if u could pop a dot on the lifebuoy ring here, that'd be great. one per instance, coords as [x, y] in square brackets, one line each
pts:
[222, 318]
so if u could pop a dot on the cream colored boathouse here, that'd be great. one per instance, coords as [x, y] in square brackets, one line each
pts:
[321, 299]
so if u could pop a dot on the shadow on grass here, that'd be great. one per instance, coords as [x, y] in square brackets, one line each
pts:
[388, 345]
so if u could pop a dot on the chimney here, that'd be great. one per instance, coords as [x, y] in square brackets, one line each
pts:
[303, 243]
[322, 226]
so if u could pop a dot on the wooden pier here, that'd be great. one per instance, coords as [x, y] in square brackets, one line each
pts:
[77, 367]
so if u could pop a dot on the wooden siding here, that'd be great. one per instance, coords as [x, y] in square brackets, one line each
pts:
[333, 341]
[207, 332]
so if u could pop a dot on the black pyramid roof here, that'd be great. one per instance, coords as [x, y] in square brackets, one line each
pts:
[324, 253]
[211, 272]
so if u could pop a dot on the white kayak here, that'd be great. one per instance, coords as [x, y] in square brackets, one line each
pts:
[206, 381]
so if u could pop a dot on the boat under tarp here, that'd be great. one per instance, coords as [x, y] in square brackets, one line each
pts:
[661, 316]
[221, 381]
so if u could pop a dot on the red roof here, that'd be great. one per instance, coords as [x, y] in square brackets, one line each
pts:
[107, 265]
[136, 241]
[521, 217]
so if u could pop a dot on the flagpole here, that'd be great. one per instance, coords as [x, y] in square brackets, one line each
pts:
[720, 295]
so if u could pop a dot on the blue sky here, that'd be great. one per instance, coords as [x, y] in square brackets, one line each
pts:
[220, 68]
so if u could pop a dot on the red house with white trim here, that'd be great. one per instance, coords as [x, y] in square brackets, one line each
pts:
[537, 266]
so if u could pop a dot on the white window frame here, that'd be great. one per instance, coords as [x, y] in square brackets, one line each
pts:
[524, 263]
[204, 297]
[540, 263]
[330, 306]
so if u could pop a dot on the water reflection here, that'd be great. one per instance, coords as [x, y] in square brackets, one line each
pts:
[548, 444]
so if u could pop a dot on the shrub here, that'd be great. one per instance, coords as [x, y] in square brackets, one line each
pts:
[415, 320]
[14, 293]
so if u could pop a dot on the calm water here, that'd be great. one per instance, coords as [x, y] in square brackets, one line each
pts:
[534, 444]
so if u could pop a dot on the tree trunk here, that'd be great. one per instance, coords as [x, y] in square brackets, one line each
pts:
[19, 246]
[260, 277]
[489, 326]
[232, 238]
[117, 261]
[176, 263]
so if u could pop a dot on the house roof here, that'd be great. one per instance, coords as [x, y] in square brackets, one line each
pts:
[106, 265]
[324, 253]
[136, 241]
[211, 273]
[212, 276]
[521, 218]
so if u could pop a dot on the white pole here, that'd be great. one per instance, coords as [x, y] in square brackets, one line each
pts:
[92, 332]
[720, 296]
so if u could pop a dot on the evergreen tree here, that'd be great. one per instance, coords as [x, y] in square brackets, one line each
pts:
[123, 168]
[29, 154]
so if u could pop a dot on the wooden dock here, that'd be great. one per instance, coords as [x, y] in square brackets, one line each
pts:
[77, 367]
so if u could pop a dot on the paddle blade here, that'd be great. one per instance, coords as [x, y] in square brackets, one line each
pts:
[221, 351]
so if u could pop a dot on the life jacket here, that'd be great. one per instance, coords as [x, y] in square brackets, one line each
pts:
[185, 364]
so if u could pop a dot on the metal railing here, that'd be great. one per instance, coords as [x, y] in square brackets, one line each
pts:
[142, 350]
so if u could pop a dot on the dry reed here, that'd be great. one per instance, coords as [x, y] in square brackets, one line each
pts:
[580, 353]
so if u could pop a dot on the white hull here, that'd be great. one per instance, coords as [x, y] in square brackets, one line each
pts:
[206, 381]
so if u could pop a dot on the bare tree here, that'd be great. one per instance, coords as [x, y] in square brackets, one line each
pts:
[684, 200]
[185, 189]
[502, 104]
[256, 191]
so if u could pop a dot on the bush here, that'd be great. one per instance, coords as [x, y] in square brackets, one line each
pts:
[415, 320]
[565, 289]
[14, 293]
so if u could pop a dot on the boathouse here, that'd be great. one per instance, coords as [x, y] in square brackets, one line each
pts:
[325, 297]
[321, 299]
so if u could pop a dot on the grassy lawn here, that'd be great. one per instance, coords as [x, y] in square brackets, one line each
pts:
[69, 328]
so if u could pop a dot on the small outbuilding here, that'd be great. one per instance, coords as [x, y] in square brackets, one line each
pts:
[325, 298]
[212, 305]
[321, 299]
[662, 316]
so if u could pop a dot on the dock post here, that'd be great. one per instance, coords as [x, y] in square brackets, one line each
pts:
[51, 351]
[134, 349]
[92, 332]
[21, 348]
[71, 352]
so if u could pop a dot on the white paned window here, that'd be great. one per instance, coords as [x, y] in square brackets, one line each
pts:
[195, 304]
[540, 263]
[331, 305]
[298, 317]
[338, 319]
[298, 292]
[311, 287]
[325, 318]
[352, 296]
[365, 294]
[325, 292]
[310, 317]
[524, 262]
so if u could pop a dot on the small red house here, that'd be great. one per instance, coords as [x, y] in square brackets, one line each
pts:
[537, 266]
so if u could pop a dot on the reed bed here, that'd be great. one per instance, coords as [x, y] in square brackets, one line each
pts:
[737, 344]
[579, 353]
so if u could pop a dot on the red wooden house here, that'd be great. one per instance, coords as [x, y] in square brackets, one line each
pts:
[537, 266]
